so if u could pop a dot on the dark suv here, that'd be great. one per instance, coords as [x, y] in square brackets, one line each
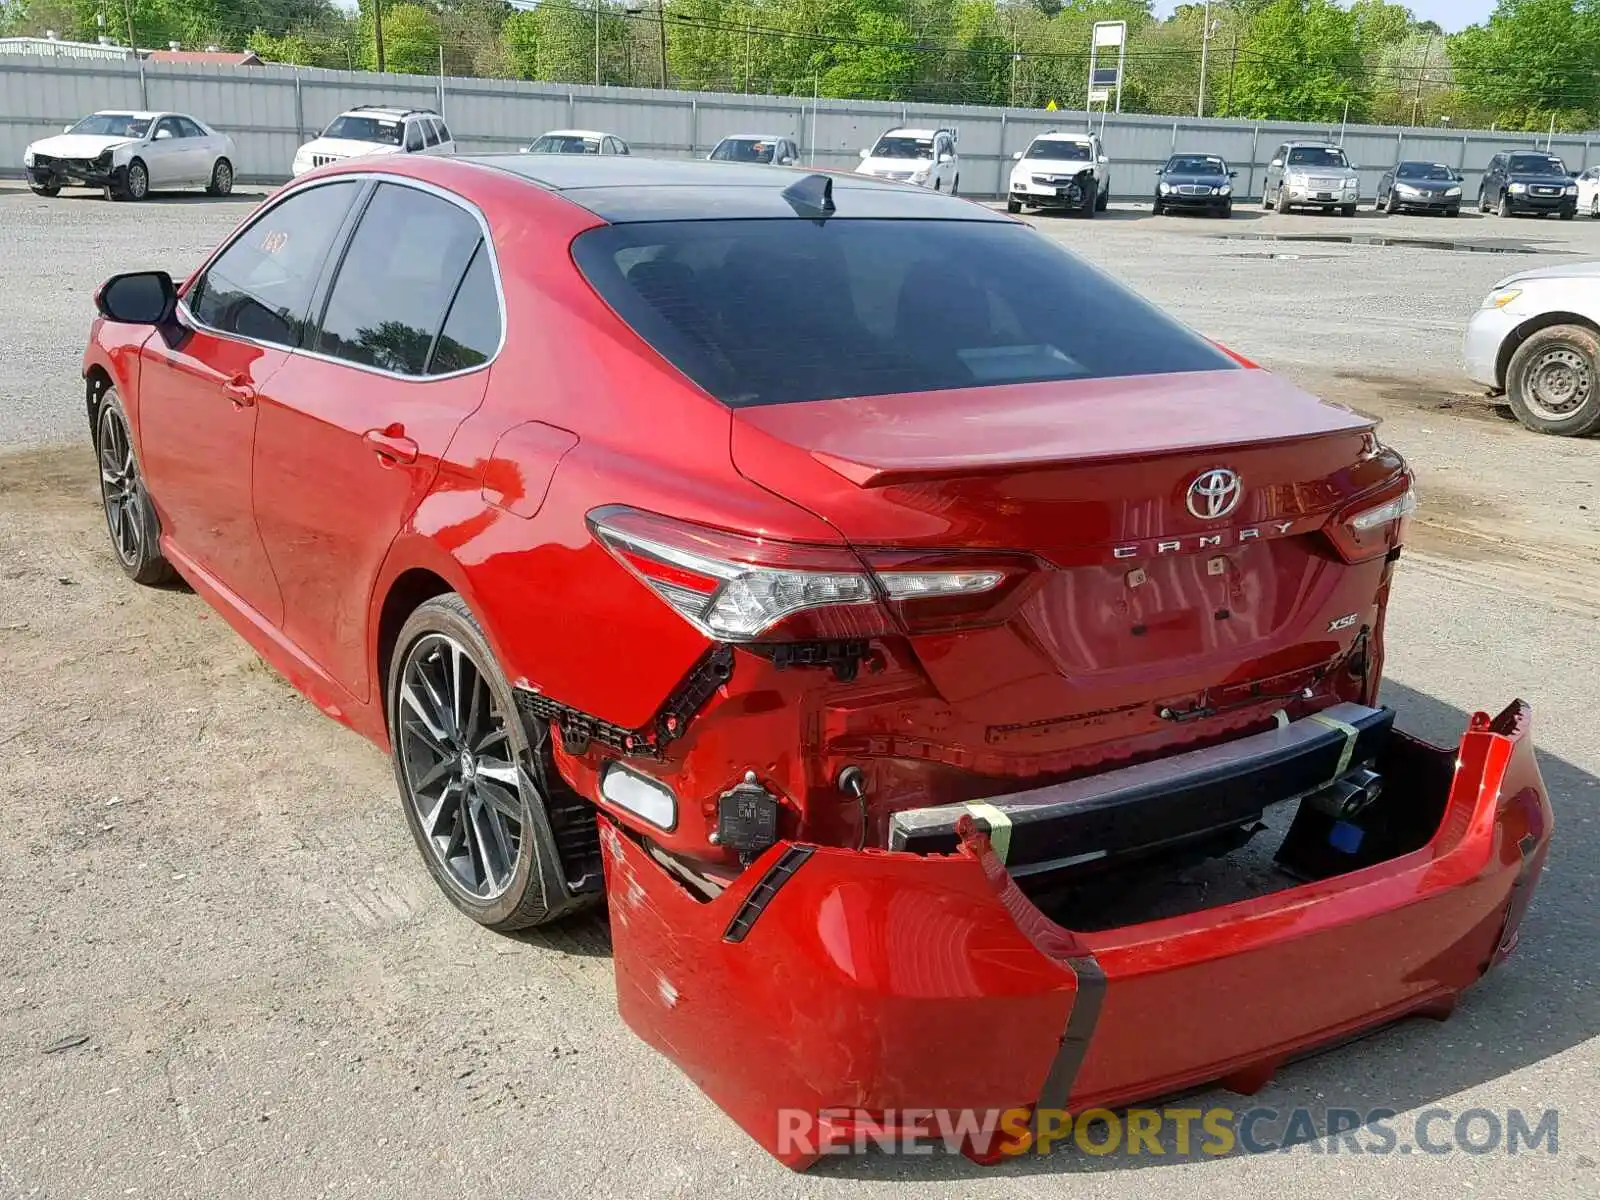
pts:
[1528, 181]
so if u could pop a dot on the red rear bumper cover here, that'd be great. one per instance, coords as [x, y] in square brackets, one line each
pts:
[883, 982]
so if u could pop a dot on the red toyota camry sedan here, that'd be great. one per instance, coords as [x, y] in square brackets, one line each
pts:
[849, 583]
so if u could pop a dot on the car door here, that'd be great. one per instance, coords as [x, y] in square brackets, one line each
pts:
[197, 411]
[200, 148]
[1494, 179]
[1385, 185]
[352, 427]
[163, 154]
[415, 142]
[447, 143]
[1275, 169]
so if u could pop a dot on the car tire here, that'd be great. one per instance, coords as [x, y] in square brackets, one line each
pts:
[443, 664]
[1157, 209]
[130, 516]
[1013, 206]
[1392, 205]
[221, 178]
[1453, 212]
[1091, 203]
[1102, 200]
[1283, 201]
[48, 190]
[1553, 381]
[1594, 207]
[131, 183]
[1568, 214]
[1266, 199]
[1504, 207]
[1226, 211]
[955, 186]
[1483, 201]
[1349, 210]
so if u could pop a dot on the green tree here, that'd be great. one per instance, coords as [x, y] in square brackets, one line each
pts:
[1301, 61]
[1533, 60]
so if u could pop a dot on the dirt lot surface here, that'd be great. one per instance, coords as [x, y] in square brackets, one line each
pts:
[223, 971]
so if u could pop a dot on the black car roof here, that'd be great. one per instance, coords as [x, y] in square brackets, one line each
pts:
[625, 188]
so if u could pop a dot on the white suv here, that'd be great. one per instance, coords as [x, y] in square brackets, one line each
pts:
[925, 157]
[376, 129]
[1061, 170]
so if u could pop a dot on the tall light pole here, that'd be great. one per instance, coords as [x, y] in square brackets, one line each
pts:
[1205, 46]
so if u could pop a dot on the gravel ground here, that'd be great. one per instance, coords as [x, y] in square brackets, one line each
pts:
[212, 885]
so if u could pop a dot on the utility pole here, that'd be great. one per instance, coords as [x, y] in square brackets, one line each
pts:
[377, 29]
[661, 26]
[1416, 102]
[1205, 45]
[1233, 65]
[127, 11]
[1015, 59]
[597, 43]
[747, 56]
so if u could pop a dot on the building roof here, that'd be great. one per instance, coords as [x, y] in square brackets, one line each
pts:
[57, 48]
[622, 189]
[221, 58]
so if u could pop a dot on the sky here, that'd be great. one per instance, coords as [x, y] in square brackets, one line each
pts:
[1452, 15]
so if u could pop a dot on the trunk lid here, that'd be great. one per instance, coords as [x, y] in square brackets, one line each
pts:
[1158, 582]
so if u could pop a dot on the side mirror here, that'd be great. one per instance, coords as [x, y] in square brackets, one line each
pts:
[163, 134]
[786, 161]
[866, 154]
[947, 158]
[1103, 160]
[1233, 174]
[1277, 162]
[1017, 157]
[138, 298]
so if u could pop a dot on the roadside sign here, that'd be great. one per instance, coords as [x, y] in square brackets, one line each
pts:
[1112, 38]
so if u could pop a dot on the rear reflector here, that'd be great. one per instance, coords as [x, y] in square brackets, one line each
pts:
[644, 797]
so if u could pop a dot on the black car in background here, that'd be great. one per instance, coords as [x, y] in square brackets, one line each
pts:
[1420, 187]
[1528, 181]
[1200, 182]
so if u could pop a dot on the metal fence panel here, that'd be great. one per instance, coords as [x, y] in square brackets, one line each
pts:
[271, 110]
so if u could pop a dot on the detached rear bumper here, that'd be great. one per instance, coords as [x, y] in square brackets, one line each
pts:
[828, 980]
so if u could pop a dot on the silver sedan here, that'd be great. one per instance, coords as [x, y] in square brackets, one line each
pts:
[132, 153]
[1536, 340]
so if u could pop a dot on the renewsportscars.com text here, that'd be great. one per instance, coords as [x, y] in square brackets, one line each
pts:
[1173, 1131]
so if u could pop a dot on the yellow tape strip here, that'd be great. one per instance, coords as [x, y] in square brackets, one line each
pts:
[1350, 734]
[999, 827]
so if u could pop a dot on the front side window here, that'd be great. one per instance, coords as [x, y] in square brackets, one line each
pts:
[122, 125]
[776, 311]
[1318, 156]
[167, 127]
[903, 146]
[260, 286]
[396, 281]
[385, 131]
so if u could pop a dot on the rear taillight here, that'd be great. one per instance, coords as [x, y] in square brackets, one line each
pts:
[1373, 525]
[736, 588]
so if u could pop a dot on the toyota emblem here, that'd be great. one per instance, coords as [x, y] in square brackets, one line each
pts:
[1215, 493]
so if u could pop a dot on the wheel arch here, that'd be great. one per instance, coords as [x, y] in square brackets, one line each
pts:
[97, 381]
[1533, 325]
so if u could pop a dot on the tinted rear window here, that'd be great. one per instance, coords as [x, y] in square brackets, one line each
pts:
[776, 311]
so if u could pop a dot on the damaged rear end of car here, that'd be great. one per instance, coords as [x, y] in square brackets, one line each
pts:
[1085, 602]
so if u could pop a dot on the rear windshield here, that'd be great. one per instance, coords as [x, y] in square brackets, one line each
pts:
[565, 143]
[777, 311]
[743, 150]
[386, 130]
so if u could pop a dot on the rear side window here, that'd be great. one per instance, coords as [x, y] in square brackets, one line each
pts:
[775, 311]
[398, 276]
[413, 136]
[471, 332]
[260, 286]
[430, 132]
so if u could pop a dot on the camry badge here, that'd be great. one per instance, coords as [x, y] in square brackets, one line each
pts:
[1215, 493]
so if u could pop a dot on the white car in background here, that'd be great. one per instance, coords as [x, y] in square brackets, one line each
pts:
[925, 157]
[1061, 170]
[577, 141]
[130, 154]
[371, 129]
[1535, 341]
[1589, 192]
